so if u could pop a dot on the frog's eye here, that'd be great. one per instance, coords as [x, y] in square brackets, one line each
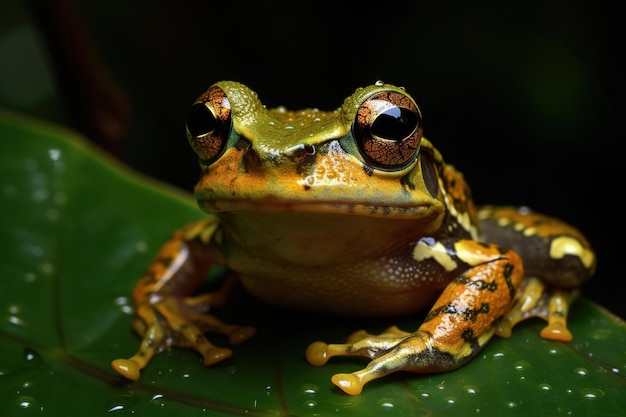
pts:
[208, 124]
[388, 130]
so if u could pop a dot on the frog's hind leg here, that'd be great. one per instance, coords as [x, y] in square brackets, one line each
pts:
[458, 326]
[557, 260]
[389, 353]
[535, 300]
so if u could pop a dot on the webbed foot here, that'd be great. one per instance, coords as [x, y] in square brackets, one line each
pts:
[391, 351]
[173, 321]
[537, 300]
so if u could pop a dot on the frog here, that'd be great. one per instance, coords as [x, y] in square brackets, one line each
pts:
[350, 212]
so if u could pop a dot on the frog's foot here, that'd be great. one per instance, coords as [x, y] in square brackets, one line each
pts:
[182, 322]
[391, 351]
[359, 343]
[537, 300]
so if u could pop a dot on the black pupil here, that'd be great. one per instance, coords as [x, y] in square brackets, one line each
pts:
[200, 120]
[395, 123]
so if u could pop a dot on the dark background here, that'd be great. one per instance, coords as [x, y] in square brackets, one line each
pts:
[524, 97]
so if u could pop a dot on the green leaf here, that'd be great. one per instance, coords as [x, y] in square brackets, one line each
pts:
[78, 229]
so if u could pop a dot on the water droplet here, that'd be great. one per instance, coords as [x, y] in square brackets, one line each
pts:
[16, 320]
[379, 83]
[54, 154]
[620, 366]
[117, 407]
[580, 372]
[422, 394]
[310, 403]
[14, 310]
[158, 400]
[522, 365]
[310, 389]
[544, 387]
[471, 389]
[499, 354]
[125, 402]
[120, 301]
[25, 401]
[32, 357]
[511, 404]
[124, 304]
[591, 393]
[450, 400]
[141, 246]
[386, 403]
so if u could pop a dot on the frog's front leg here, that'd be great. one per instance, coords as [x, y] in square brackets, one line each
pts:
[166, 312]
[484, 281]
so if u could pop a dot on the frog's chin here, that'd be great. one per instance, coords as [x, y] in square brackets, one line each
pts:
[387, 211]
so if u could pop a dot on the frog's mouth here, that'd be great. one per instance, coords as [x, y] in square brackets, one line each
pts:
[389, 211]
[321, 233]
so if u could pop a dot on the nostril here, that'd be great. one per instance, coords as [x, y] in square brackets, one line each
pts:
[309, 149]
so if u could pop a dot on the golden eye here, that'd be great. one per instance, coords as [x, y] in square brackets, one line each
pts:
[208, 124]
[388, 130]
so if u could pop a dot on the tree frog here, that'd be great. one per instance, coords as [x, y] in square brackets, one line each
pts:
[351, 212]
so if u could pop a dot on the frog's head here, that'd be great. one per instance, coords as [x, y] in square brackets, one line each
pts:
[367, 159]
